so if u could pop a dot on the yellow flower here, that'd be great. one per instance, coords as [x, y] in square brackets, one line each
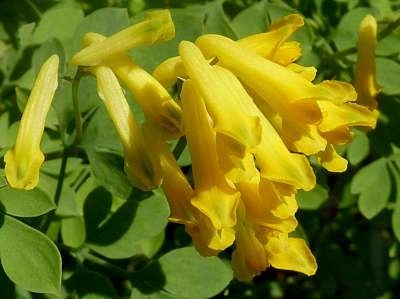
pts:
[24, 160]
[179, 194]
[365, 76]
[285, 91]
[227, 113]
[214, 196]
[272, 44]
[310, 118]
[273, 158]
[289, 253]
[248, 258]
[169, 71]
[153, 98]
[264, 220]
[157, 26]
[141, 166]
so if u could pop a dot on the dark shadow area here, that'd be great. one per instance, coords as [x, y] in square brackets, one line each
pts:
[24, 63]
[386, 133]
[150, 279]
[84, 282]
[7, 287]
[2, 213]
[102, 231]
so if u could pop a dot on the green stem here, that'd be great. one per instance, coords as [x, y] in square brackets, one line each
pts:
[57, 195]
[61, 176]
[389, 29]
[34, 8]
[179, 148]
[75, 101]
[105, 264]
[72, 152]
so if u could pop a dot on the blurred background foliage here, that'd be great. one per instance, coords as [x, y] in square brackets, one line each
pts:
[114, 240]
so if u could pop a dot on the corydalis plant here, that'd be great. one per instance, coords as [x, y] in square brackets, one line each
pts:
[251, 117]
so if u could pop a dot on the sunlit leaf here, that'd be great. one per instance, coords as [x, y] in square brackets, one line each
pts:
[374, 185]
[29, 258]
[25, 203]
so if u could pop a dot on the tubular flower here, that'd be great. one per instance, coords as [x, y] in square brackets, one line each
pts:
[179, 194]
[365, 76]
[141, 167]
[257, 247]
[265, 217]
[273, 158]
[152, 97]
[214, 196]
[309, 117]
[227, 112]
[24, 160]
[157, 26]
[169, 71]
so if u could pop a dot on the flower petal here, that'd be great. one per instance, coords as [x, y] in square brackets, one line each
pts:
[24, 160]
[214, 196]
[349, 114]
[141, 166]
[157, 26]
[331, 161]
[295, 256]
[227, 113]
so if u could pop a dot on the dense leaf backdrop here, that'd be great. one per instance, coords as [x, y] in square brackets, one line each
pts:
[114, 240]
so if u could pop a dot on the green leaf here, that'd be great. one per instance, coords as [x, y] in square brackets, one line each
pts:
[67, 204]
[312, 200]
[108, 169]
[100, 134]
[346, 34]
[57, 23]
[25, 34]
[136, 294]
[387, 71]
[46, 49]
[148, 247]
[216, 21]
[396, 211]
[373, 184]
[25, 203]
[251, 20]
[7, 134]
[29, 258]
[125, 228]
[73, 231]
[90, 285]
[388, 46]
[184, 274]
[358, 149]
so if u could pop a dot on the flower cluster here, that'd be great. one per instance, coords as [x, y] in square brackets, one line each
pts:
[250, 115]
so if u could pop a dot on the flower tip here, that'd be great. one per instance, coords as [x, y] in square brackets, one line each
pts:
[23, 173]
[370, 21]
[165, 17]
[53, 60]
[296, 20]
[90, 38]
